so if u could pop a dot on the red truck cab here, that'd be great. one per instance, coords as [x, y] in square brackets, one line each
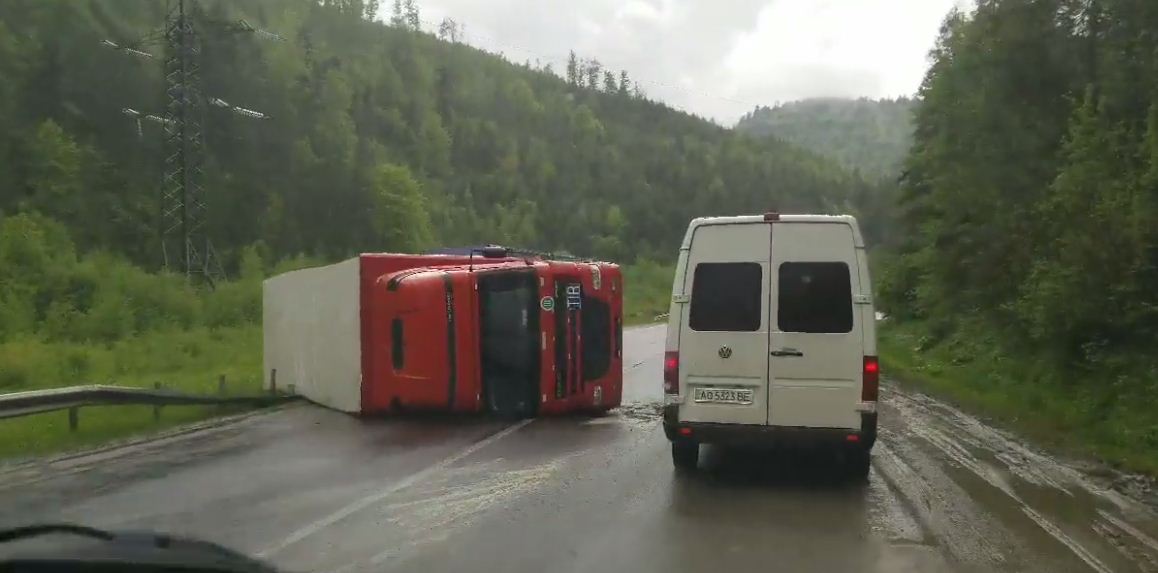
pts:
[514, 337]
[585, 338]
[377, 364]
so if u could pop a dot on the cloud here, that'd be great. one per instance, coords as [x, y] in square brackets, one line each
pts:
[875, 48]
[639, 11]
[719, 58]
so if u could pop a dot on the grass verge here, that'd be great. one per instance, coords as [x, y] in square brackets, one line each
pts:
[189, 361]
[647, 291]
[1077, 413]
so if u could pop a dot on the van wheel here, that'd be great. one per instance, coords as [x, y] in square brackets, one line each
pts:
[685, 455]
[859, 461]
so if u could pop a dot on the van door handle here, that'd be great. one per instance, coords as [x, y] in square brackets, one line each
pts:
[787, 352]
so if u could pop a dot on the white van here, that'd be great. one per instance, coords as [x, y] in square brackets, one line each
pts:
[771, 337]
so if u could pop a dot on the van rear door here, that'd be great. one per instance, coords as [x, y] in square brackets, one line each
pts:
[723, 341]
[816, 340]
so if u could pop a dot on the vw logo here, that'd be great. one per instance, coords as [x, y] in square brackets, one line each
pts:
[725, 352]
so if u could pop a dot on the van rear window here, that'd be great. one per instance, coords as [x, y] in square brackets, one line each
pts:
[814, 298]
[726, 297]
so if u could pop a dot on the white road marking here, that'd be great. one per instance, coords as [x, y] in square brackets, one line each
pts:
[446, 508]
[1131, 530]
[376, 497]
[1082, 553]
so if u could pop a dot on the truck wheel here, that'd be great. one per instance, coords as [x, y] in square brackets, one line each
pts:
[685, 455]
[859, 461]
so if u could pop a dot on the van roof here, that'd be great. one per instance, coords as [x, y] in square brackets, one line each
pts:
[849, 220]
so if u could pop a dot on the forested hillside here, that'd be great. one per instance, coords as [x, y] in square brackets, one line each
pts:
[380, 137]
[1030, 212]
[872, 136]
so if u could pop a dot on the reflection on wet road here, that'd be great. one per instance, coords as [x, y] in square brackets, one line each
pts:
[315, 490]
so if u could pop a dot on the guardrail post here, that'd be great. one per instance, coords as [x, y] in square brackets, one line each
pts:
[273, 381]
[73, 418]
[157, 408]
[221, 391]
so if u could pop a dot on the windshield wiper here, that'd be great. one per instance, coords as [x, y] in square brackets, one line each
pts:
[142, 551]
[30, 531]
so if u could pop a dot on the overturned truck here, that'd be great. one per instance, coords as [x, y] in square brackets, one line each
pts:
[390, 333]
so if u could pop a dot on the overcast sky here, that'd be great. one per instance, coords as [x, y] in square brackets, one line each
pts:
[717, 58]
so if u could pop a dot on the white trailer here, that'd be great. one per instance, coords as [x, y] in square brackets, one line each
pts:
[311, 325]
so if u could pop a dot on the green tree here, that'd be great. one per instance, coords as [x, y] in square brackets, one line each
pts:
[398, 15]
[610, 85]
[573, 69]
[413, 20]
[592, 69]
[401, 219]
[53, 176]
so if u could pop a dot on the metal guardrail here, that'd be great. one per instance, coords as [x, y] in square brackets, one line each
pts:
[74, 397]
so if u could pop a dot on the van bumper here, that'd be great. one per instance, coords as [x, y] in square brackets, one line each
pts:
[770, 436]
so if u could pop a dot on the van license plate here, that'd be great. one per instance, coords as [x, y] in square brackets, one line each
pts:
[722, 396]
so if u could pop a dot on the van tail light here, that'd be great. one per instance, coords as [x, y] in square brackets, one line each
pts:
[671, 373]
[871, 387]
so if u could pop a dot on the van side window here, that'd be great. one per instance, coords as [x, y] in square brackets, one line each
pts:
[397, 354]
[814, 298]
[726, 297]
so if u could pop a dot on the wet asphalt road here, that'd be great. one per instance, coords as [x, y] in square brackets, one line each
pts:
[314, 490]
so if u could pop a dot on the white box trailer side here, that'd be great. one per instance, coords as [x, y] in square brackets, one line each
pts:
[311, 330]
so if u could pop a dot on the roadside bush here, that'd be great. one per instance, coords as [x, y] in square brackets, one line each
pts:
[233, 304]
[17, 313]
[47, 291]
[24, 361]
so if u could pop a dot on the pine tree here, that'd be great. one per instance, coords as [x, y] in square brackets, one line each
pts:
[592, 70]
[413, 21]
[370, 9]
[397, 16]
[572, 69]
[609, 84]
[449, 31]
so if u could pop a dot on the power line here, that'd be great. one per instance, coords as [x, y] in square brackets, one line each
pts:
[184, 242]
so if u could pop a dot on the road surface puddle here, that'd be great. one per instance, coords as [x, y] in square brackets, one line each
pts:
[1026, 502]
[640, 413]
[890, 517]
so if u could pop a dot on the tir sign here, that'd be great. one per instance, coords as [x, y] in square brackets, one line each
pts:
[574, 297]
